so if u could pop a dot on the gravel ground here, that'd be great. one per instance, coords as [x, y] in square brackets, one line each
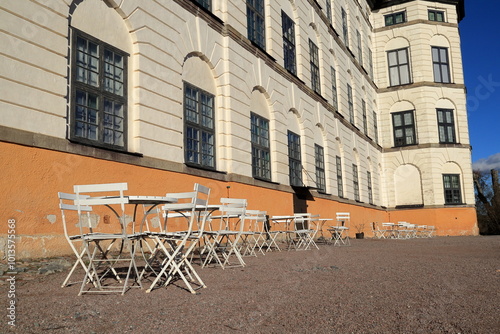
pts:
[438, 285]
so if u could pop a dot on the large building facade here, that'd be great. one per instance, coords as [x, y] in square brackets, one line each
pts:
[319, 106]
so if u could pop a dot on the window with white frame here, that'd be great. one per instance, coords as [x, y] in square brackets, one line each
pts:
[319, 158]
[452, 193]
[314, 62]
[294, 160]
[99, 93]
[345, 28]
[404, 128]
[289, 56]
[199, 134]
[399, 67]
[335, 101]
[261, 154]
[350, 104]
[256, 22]
[441, 64]
[355, 182]
[340, 183]
[446, 126]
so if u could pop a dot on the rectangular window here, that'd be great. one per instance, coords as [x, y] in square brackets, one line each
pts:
[199, 132]
[314, 61]
[99, 90]
[365, 121]
[399, 67]
[446, 126]
[207, 4]
[256, 22]
[375, 127]
[404, 128]
[395, 18]
[328, 10]
[441, 64]
[294, 160]
[370, 63]
[288, 27]
[340, 185]
[335, 101]
[350, 104]
[345, 28]
[452, 193]
[360, 48]
[370, 190]
[436, 15]
[355, 182]
[320, 167]
[261, 154]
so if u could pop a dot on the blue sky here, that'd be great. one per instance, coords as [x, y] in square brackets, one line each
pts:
[480, 36]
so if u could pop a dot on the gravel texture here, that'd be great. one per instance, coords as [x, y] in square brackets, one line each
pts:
[438, 285]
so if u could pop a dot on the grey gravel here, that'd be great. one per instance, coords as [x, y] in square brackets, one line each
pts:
[438, 285]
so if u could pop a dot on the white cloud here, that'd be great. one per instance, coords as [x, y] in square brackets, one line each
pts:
[487, 164]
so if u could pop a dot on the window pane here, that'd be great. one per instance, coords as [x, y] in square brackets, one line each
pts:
[402, 56]
[393, 58]
[405, 74]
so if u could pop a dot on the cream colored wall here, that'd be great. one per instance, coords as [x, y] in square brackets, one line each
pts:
[168, 45]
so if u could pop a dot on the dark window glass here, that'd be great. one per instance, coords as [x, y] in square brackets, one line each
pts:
[314, 61]
[370, 63]
[441, 64]
[446, 126]
[328, 10]
[345, 28]
[340, 185]
[436, 15]
[294, 160]
[370, 190]
[355, 182]
[320, 167]
[261, 155]
[399, 67]
[395, 18]
[365, 121]
[375, 126]
[256, 22]
[289, 43]
[404, 128]
[199, 127]
[360, 48]
[99, 103]
[335, 102]
[350, 104]
[452, 193]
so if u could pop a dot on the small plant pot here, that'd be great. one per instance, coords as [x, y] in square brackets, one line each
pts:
[360, 235]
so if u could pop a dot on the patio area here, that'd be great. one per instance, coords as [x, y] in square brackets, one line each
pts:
[431, 285]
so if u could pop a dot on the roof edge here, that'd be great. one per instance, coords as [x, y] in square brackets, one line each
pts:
[378, 4]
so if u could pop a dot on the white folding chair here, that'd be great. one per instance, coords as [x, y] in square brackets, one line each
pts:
[378, 232]
[258, 220]
[100, 239]
[222, 239]
[174, 245]
[69, 214]
[306, 228]
[339, 232]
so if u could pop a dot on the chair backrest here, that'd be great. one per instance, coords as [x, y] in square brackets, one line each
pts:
[71, 213]
[343, 218]
[301, 221]
[233, 208]
[191, 205]
[110, 195]
[256, 220]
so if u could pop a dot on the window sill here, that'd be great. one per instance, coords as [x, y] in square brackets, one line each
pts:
[116, 150]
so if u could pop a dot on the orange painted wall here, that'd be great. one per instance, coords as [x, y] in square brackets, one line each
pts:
[31, 178]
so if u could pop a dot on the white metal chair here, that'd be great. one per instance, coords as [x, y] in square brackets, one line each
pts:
[306, 228]
[340, 231]
[69, 214]
[222, 239]
[99, 240]
[378, 232]
[174, 245]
